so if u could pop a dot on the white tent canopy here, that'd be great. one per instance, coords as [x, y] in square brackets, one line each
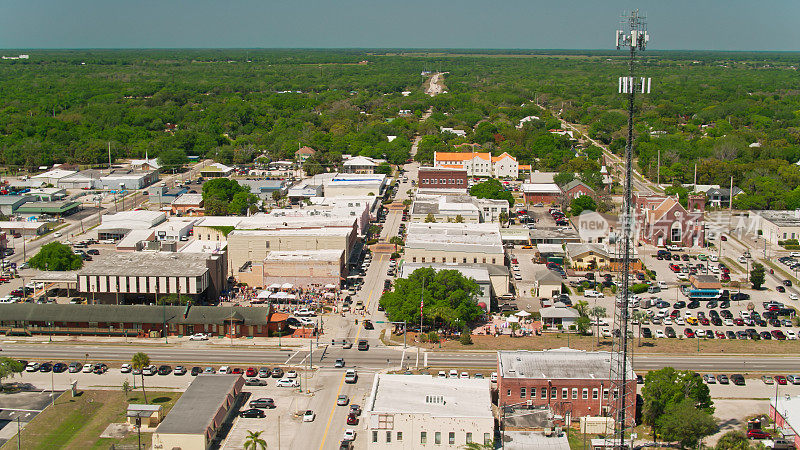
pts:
[264, 294]
[274, 286]
[330, 286]
[522, 314]
[512, 319]
[287, 286]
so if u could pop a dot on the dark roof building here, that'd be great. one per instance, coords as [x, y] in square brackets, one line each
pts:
[200, 413]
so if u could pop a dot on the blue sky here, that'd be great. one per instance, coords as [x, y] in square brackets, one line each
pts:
[569, 24]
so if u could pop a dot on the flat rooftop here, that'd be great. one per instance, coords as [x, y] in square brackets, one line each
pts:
[474, 271]
[482, 237]
[198, 406]
[201, 246]
[293, 232]
[557, 364]
[148, 264]
[781, 218]
[436, 397]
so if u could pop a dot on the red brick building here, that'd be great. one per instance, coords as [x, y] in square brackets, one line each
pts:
[662, 220]
[547, 193]
[577, 188]
[572, 382]
[442, 178]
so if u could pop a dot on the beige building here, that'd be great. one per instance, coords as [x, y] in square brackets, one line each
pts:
[419, 411]
[246, 246]
[775, 225]
[302, 268]
[200, 413]
[454, 243]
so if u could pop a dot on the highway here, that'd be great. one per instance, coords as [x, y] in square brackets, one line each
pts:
[378, 357]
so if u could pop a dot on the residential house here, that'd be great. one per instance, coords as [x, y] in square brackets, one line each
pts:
[662, 220]
[303, 153]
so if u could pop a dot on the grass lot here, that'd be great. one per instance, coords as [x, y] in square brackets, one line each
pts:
[76, 423]
[557, 340]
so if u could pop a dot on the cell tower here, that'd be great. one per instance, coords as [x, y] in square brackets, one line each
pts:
[631, 35]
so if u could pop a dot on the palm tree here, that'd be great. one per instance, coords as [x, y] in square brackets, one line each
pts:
[597, 312]
[638, 316]
[139, 361]
[503, 218]
[253, 441]
[514, 328]
[582, 306]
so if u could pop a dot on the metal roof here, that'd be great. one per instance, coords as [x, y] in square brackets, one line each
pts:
[195, 411]
[208, 315]
[148, 264]
[556, 364]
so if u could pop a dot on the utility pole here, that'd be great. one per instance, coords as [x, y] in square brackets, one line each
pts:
[658, 169]
[632, 36]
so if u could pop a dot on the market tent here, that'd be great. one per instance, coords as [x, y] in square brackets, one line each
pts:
[512, 319]
[287, 286]
[522, 314]
[274, 286]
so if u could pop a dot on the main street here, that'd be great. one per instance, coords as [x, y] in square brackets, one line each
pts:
[376, 358]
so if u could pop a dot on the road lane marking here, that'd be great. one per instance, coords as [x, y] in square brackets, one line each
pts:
[341, 382]
[290, 358]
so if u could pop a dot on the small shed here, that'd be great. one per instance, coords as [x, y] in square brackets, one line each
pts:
[149, 414]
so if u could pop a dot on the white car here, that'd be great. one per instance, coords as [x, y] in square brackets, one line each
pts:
[727, 322]
[794, 254]
[198, 337]
[605, 332]
[287, 382]
[793, 297]
[662, 284]
[309, 416]
[349, 435]
[515, 268]
[125, 368]
[700, 333]
[517, 276]
[667, 320]
[464, 375]
[714, 269]
[304, 312]
[442, 374]
[87, 368]
[791, 335]
[713, 258]
[291, 374]
[493, 377]
[660, 334]
[742, 260]
[224, 369]
[682, 277]
[679, 321]
[593, 294]
[453, 373]
[306, 321]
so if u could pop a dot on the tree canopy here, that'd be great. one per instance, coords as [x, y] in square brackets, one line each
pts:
[492, 188]
[666, 388]
[223, 196]
[56, 256]
[581, 204]
[8, 368]
[450, 298]
[685, 423]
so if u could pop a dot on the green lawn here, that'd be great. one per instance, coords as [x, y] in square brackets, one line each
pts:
[76, 423]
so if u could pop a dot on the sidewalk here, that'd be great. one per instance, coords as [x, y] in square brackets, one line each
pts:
[173, 341]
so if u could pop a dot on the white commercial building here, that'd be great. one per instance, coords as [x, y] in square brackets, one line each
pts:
[775, 225]
[359, 207]
[355, 185]
[361, 164]
[454, 243]
[419, 411]
[447, 208]
[116, 226]
[53, 176]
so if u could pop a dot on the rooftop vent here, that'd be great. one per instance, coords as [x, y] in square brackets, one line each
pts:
[435, 399]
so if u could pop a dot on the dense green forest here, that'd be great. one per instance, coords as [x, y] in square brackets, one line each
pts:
[706, 108]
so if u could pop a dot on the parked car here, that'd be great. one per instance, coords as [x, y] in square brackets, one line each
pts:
[179, 370]
[262, 403]
[309, 416]
[286, 382]
[277, 372]
[198, 337]
[342, 400]
[722, 378]
[164, 370]
[757, 434]
[255, 382]
[253, 413]
[737, 379]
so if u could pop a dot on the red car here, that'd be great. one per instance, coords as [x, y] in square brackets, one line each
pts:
[738, 321]
[352, 419]
[780, 379]
[720, 335]
[237, 370]
[688, 332]
[251, 372]
[725, 277]
[704, 321]
[757, 434]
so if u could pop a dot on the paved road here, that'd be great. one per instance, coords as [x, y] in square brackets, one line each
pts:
[374, 359]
